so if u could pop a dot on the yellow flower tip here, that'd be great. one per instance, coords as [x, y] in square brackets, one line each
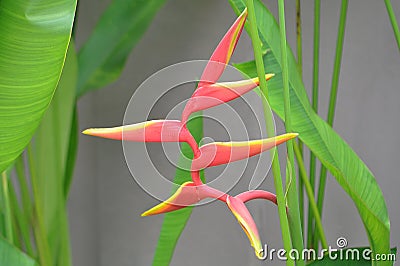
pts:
[145, 214]
[260, 254]
[153, 211]
[87, 131]
[289, 136]
[97, 131]
[269, 76]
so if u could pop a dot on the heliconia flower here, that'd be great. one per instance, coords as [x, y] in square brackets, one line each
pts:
[217, 153]
[210, 95]
[222, 54]
[246, 221]
[149, 131]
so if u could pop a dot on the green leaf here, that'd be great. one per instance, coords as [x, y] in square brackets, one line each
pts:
[10, 255]
[34, 37]
[351, 257]
[72, 153]
[103, 56]
[336, 155]
[175, 222]
[50, 150]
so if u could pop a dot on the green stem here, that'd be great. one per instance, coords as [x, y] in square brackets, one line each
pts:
[7, 210]
[332, 99]
[38, 223]
[393, 21]
[26, 218]
[313, 161]
[20, 222]
[299, 40]
[287, 243]
[311, 198]
[300, 69]
[292, 196]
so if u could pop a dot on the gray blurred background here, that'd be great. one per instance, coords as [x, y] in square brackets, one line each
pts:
[105, 202]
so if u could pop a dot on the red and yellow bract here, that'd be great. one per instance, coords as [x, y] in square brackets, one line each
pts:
[208, 94]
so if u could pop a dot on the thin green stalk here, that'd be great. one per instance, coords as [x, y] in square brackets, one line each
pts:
[287, 243]
[26, 201]
[332, 101]
[24, 189]
[7, 209]
[38, 224]
[311, 198]
[299, 43]
[20, 223]
[393, 21]
[299, 40]
[292, 196]
[313, 161]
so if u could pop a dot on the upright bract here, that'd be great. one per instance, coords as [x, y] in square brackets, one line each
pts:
[208, 94]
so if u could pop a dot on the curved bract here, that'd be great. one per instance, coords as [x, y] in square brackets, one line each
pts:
[213, 94]
[217, 153]
[222, 54]
[148, 131]
[246, 221]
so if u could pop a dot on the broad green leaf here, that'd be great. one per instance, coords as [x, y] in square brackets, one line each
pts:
[34, 37]
[50, 150]
[352, 257]
[103, 56]
[336, 155]
[175, 222]
[10, 255]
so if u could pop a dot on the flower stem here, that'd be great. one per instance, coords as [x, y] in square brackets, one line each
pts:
[332, 100]
[287, 243]
[292, 196]
[39, 228]
[393, 21]
[299, 43]
[7, 209]
[26, 203]
[311, 198]
[299, 40]
[313, 161]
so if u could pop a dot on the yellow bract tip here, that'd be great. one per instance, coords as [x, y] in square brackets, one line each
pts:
[87, 131]
[269, 76]
[260, 254]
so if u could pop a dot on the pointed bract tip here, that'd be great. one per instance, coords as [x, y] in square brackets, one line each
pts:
[260, 254]
[287, 136]
[93, 131]
[146, 213]
[86, 131]
[269, 76]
